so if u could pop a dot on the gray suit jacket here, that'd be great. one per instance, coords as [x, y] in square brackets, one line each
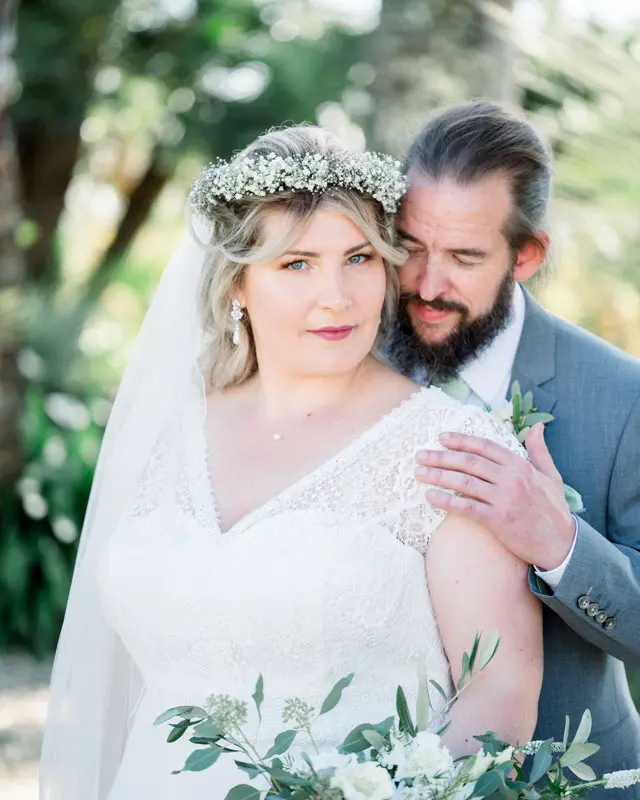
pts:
[593, 390]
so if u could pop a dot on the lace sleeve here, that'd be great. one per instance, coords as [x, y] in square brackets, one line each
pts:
[417, 518]
[476, 422]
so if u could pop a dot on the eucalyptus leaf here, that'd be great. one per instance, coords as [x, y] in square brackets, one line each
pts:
[443, 729]
[178, 730]
[584, 728]
[574, 499]
[515, 402]
[355, 741]
[491, 743]
[439, 689]
[541, 762]
[583, 771]
[374, 738]
[567, 726]
[207, 730]
[465, 670]
[285, 778]
[202, 759]
[527, 403]
[423, 702]
[258, 695]
[474, 652]
[487, 784]
[578, 752]
[243, 792]
[488, 649]
[186, 712]
[335, 695]
[282, 743]
[405, 723]
[538, 416]
[251, 769]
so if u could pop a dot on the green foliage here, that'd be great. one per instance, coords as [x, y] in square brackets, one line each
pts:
[40, 520]
[387, 748]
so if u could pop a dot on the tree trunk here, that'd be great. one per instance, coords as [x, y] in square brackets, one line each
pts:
[435, 53]
[12, 274]
[138, 206]
[52, 108]
[47, 160]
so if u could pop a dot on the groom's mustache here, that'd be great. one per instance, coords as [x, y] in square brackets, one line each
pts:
[437, 304]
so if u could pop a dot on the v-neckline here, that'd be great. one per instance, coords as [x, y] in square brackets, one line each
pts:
[333, 462]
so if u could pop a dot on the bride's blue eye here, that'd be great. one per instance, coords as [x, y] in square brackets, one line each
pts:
[363, 257]
[296, 266]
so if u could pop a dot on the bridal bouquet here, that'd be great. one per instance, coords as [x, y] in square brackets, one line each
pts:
[398, 758]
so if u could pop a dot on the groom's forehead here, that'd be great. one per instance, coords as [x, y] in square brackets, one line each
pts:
[446, 209]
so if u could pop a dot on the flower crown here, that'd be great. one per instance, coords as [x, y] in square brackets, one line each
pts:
[378, 176]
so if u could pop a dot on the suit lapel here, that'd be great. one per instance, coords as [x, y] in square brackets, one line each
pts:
[534, 366]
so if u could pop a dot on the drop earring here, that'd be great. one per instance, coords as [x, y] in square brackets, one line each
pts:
[236, 316]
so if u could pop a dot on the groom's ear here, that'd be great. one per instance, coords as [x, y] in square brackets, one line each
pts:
[531, 256]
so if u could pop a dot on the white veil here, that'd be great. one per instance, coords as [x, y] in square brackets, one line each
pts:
[95, 684]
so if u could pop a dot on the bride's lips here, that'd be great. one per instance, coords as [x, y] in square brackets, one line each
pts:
[334, 334]
[427, 314]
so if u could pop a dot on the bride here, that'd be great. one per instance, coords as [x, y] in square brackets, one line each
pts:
[255, 508]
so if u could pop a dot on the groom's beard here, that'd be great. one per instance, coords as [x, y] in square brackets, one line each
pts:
[444, 360]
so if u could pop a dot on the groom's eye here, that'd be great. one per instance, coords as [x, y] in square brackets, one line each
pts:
[468, 259]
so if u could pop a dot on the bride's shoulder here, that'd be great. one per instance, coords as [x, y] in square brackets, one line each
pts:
[435, 413]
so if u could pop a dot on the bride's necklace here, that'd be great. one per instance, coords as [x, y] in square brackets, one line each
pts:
[278, 437]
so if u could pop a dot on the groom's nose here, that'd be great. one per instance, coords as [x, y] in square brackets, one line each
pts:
[434, 282]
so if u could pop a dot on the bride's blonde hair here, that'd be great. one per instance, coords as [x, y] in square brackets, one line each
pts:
[235, 243]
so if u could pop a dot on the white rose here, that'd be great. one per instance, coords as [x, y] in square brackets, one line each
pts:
[504, 756]
[395, 757]
[426, 755]
[363, 781]
[481, 763]
[330, 759]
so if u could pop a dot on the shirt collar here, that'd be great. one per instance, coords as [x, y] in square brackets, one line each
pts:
[491, 369]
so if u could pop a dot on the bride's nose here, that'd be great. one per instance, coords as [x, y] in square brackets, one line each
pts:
[332, 291]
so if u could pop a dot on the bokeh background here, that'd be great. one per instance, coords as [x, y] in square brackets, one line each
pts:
[109, 108]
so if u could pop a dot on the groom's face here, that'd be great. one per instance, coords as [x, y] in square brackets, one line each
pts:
[459, 257]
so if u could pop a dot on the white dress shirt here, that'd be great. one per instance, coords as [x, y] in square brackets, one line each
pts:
[489, 376]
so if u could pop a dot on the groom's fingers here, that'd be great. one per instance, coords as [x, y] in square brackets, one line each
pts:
[465, 506]
[481, 447]
[539, 454]
[458, 461]
[458, 481]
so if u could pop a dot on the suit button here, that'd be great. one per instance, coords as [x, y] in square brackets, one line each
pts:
[583, 602]
[610, 624]
[592, 610]
[601, 617]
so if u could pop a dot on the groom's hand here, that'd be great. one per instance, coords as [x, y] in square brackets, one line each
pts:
[521, 502]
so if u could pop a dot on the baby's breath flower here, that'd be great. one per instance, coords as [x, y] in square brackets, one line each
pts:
[226, 712]
[621, 779]
[378, 176]
[298, 711]
[532, 748]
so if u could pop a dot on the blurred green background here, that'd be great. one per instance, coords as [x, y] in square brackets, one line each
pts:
[109, 109]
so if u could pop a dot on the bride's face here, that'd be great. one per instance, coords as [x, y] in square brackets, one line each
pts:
[316, 309]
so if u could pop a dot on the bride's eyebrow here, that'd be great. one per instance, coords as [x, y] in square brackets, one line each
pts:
[308, 254]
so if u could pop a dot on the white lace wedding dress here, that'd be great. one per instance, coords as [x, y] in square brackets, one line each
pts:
[325, 579]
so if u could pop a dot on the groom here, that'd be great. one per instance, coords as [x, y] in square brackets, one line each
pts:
[473, 222]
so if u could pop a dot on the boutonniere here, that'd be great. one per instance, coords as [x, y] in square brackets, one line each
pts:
[522, 415]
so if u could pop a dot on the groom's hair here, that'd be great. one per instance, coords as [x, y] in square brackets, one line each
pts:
[473, 140]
